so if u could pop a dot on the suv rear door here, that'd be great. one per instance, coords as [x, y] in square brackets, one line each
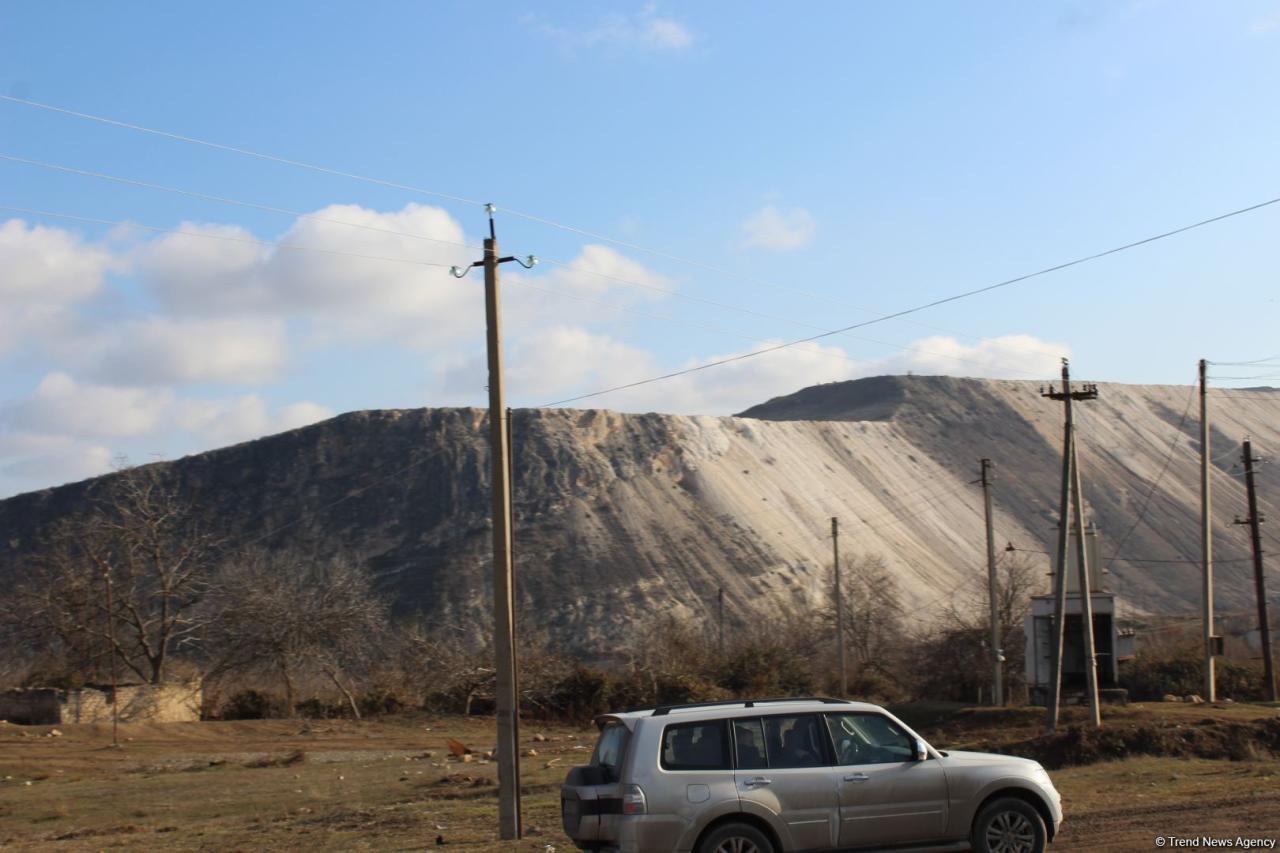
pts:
[784, 775]
[591, 792]
[886, 795]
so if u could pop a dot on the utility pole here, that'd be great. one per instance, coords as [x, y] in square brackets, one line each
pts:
[1070, 496]
[835, 561]
[993, 590]
[506, 696]
[115, 667]
[1086, 591]
[1206, 538]
[1254, 521]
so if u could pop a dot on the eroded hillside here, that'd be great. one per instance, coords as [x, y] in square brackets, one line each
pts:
[622, 516]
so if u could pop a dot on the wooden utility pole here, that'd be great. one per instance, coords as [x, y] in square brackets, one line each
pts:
[506, 692]
[993, 591]
[1254, 521]
[1070, 490]
[835, 561]
[1206, 539]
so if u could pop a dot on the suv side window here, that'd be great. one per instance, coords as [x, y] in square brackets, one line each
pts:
[696, 746]
[795, 741]
[868, 739]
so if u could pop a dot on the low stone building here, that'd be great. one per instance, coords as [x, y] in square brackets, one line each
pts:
[137, 703]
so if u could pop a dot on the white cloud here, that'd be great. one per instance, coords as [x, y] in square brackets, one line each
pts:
[734, 386]
[67, 429]
[221, 422]
[584, 291]
[667, 34]
[158, 350]
[375, 286]
[1006, 357]
[778, 230]
[741, 383]
[62, 406]
[43, 273]
[31, 461]
[646, 30]
[1265, 25]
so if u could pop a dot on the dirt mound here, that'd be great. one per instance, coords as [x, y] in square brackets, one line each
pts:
[1208, 738]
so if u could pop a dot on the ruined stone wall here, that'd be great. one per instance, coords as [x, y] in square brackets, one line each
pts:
[34, 707]
[151, 703]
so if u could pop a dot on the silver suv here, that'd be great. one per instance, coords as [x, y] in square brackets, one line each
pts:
[773, 775]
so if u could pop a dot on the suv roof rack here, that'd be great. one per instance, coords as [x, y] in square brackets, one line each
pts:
[663, 710]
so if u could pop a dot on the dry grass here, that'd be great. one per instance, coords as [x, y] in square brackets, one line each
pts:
[389, 785]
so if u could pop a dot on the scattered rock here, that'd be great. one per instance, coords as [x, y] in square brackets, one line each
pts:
[467, 758]
[1169, 697]
[54, 733]
[531, 753]
[1193, 699]
[539, 738]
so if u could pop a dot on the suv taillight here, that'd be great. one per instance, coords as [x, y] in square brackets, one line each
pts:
[633, 800]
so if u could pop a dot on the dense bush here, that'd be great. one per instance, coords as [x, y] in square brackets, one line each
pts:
[1150, 678]
[765, 669]
[583, 694]
[252, 705]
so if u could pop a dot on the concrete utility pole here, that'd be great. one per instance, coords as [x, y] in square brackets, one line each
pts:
[115, 662]
[1254, 521]
[1206, 538]
[1086, 591]
[507, 696]
[835, 561]
[1070, 488]
[993, 590]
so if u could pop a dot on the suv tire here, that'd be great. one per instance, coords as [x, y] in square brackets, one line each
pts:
[1008, 825]
[736, 838]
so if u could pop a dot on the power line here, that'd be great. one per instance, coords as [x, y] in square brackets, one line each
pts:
[1275, 358]
[243, 151]
[569, 266]
[521, 214]
[410, 188]
[226, 200]
[963, 295]
[1164, 468]
[224, 237]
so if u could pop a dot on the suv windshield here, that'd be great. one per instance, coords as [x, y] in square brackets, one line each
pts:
[610, 749]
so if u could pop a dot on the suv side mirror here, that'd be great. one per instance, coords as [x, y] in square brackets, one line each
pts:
[922, 751]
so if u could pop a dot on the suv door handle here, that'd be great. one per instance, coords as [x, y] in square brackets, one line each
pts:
[757, 780]
[857, 777]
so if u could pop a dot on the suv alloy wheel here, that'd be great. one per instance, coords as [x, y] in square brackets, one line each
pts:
[736, 838]
[1009, 825]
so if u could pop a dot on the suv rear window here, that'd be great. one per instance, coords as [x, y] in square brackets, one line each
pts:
[611, 748]
[696, 746]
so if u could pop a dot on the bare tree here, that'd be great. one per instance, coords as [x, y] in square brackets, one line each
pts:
[953, 655]
[140, 547]
[299, 618]
[443, 660]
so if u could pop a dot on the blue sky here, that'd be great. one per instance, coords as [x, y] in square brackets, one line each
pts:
[828, 162]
